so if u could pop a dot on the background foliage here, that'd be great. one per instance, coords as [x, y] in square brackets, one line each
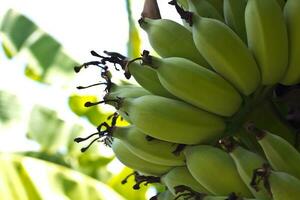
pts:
[51, 166]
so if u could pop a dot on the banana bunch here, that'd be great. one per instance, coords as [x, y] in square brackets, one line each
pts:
[203, 118]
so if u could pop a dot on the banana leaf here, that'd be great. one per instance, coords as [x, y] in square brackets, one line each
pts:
[28, 178]
[47, 60]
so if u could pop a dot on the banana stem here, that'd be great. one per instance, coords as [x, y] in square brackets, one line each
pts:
[235, 127]
[260, 110]
[151, 9]
[265, 116]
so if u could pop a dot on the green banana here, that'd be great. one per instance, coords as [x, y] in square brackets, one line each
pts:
[246, 162]
[183, 3]
[155, 151]
[218, 4]
[234, 13]
[281, 185]
[215, 170]
[219, 46]
[125, 91]
[147, 78]
[128, 91]
[156, 115]
[205, 9]
[281, 3]
[292, 18]
[281, 155]
[284, 186]
[165, 195]
[167, 44]
[267, 38]
[144, 76]
[126, 157]
[224, 198]
[198, 86]
[181, 176]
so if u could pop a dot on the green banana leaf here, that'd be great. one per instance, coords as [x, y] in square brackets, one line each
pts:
[26, 178]
[134, 40]
[47, 61]
[94, 115]
[126, 189]
[9, 107]
[56, 139]
[46, 128]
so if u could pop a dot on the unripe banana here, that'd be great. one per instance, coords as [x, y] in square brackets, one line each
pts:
[127, 91]
[198, 86]
[223, 198]
[284, 186]
[147, 78]
[165, 195]
[219, 45]
[156, 115]
[246, 162]
[281, 3]
[130, 160]
[155, 151]
[215, 170]
[218, 4]
[181, 176]
[281, 155]
[170, 39]
[281, 185]
[205, 9]
[267, 38]
[234, 13]
[292, 18]
[183, 3]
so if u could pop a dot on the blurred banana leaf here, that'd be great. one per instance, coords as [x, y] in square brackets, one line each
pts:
[76, 103]
[134, 40]
[47, 60]
[126, 189]
[56, 140]
[28, 178]
[93, 114]
[9, 107]
[46, 128]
